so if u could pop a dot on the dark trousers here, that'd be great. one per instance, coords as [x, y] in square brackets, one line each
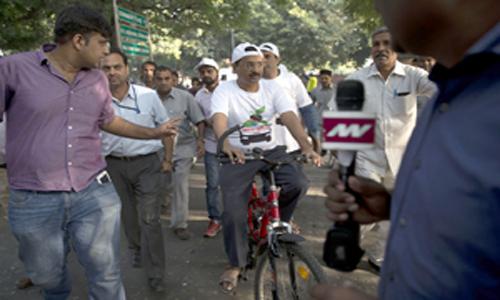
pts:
[236, 183]
[137, 182]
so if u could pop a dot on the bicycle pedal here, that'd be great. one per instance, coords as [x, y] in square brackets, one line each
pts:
[291, 238]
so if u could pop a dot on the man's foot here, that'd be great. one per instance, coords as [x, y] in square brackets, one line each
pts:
[164, 210]
[229, 279]
[135, 256]
[24, 283]
[213, 228]
[295, 227]
[375, 265]
[156, 284]
[182, 233]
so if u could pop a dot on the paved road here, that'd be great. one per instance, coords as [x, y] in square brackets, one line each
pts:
[194, 266]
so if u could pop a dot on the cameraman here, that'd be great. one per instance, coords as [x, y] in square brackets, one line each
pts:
[446, 233]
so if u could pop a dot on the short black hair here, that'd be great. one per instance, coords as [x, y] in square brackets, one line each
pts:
[195, 79]
[148, 62]
[175, 73]
[119, 52]
[81, 19]
[163, 69]
[325, 72]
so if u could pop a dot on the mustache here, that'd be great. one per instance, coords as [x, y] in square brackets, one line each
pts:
[255, 74]
[207, 80]
[382, 53]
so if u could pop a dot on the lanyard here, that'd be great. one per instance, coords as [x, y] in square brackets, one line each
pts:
[136, 108]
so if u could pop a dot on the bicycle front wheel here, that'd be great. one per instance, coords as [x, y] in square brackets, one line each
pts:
[296, 271]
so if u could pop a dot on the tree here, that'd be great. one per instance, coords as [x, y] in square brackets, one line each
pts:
[25, 24]
[309, 33]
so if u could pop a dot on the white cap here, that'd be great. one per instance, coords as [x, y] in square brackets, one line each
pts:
[244, 50]
[270, 47]
[205, 61]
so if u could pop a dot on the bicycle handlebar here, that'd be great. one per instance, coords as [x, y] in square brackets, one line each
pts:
[223, 137]
[257, 153]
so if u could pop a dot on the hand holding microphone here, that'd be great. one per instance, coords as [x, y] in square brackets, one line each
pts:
[373, 205]
[347, 130]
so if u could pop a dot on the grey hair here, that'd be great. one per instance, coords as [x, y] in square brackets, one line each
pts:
[380, 30]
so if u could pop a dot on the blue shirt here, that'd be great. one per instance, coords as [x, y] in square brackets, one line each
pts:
[141, 106]
[445, 237]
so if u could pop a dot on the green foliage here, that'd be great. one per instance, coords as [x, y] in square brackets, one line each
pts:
[364, 12]
[25, 24]
[309, 33]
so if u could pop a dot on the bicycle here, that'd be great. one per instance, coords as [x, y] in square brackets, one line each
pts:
[283, 268]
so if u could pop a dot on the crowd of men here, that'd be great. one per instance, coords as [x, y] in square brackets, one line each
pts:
[114, 154]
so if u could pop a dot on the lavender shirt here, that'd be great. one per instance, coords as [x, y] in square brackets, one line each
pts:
[53, 141]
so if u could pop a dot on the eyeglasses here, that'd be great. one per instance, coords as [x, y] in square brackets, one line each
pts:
[252, 65]
[136, 108]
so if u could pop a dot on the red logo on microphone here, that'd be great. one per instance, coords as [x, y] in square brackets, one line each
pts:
[348, 130]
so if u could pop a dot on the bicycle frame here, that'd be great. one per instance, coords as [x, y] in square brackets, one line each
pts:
[269, 223]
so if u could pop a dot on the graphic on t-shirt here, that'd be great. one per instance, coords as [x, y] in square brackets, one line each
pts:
[255, 129]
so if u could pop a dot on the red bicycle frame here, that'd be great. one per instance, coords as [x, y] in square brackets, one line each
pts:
[271, 212]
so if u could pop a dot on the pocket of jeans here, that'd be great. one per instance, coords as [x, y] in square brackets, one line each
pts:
[18, 198]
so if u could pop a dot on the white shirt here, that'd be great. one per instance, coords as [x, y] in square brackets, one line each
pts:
[293, 86]
[141, 106]
[204, 98]
[394, 102]
[238, 105]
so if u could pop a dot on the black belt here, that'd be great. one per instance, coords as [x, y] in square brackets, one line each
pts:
[130, 158]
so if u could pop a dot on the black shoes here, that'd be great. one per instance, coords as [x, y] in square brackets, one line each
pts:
[156, 284]
[136, 258]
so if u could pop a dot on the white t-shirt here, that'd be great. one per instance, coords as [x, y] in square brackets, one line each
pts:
[292, 85]
[239, 105]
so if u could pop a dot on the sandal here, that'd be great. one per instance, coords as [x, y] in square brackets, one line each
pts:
[24, 283]
[229, 279]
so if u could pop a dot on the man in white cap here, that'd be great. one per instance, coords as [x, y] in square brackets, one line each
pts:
[291, 83]
[255, 104]
[208, 71]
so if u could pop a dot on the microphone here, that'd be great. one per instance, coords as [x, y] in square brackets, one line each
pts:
[347, 130]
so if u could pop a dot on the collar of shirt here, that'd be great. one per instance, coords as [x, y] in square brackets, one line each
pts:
[481, 55]
[398, 70]
[42, 58]
[131, 94]
[174, 92]
[205, 90]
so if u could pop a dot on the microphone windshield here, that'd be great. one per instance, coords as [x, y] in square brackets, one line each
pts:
[350, 95]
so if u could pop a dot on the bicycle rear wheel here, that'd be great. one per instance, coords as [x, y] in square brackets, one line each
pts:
[296, 272]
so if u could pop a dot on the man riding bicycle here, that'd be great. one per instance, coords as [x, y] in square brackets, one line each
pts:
[254, 105]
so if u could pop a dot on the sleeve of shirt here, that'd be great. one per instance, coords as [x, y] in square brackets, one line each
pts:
[161, 115]
[194, 110]
[107, 113]
[282, 101]
[424, 86]
[6, 90]
[219, 102]
[302, 97]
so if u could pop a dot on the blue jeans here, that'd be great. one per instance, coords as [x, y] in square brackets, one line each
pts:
[44, 223]
[312, 120]
[214, 202]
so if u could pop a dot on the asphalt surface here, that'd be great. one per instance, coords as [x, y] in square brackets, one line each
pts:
[193, 266]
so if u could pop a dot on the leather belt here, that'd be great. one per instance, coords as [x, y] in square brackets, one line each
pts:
[130, 158]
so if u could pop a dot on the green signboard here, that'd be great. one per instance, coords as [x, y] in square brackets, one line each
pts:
[133, 32]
